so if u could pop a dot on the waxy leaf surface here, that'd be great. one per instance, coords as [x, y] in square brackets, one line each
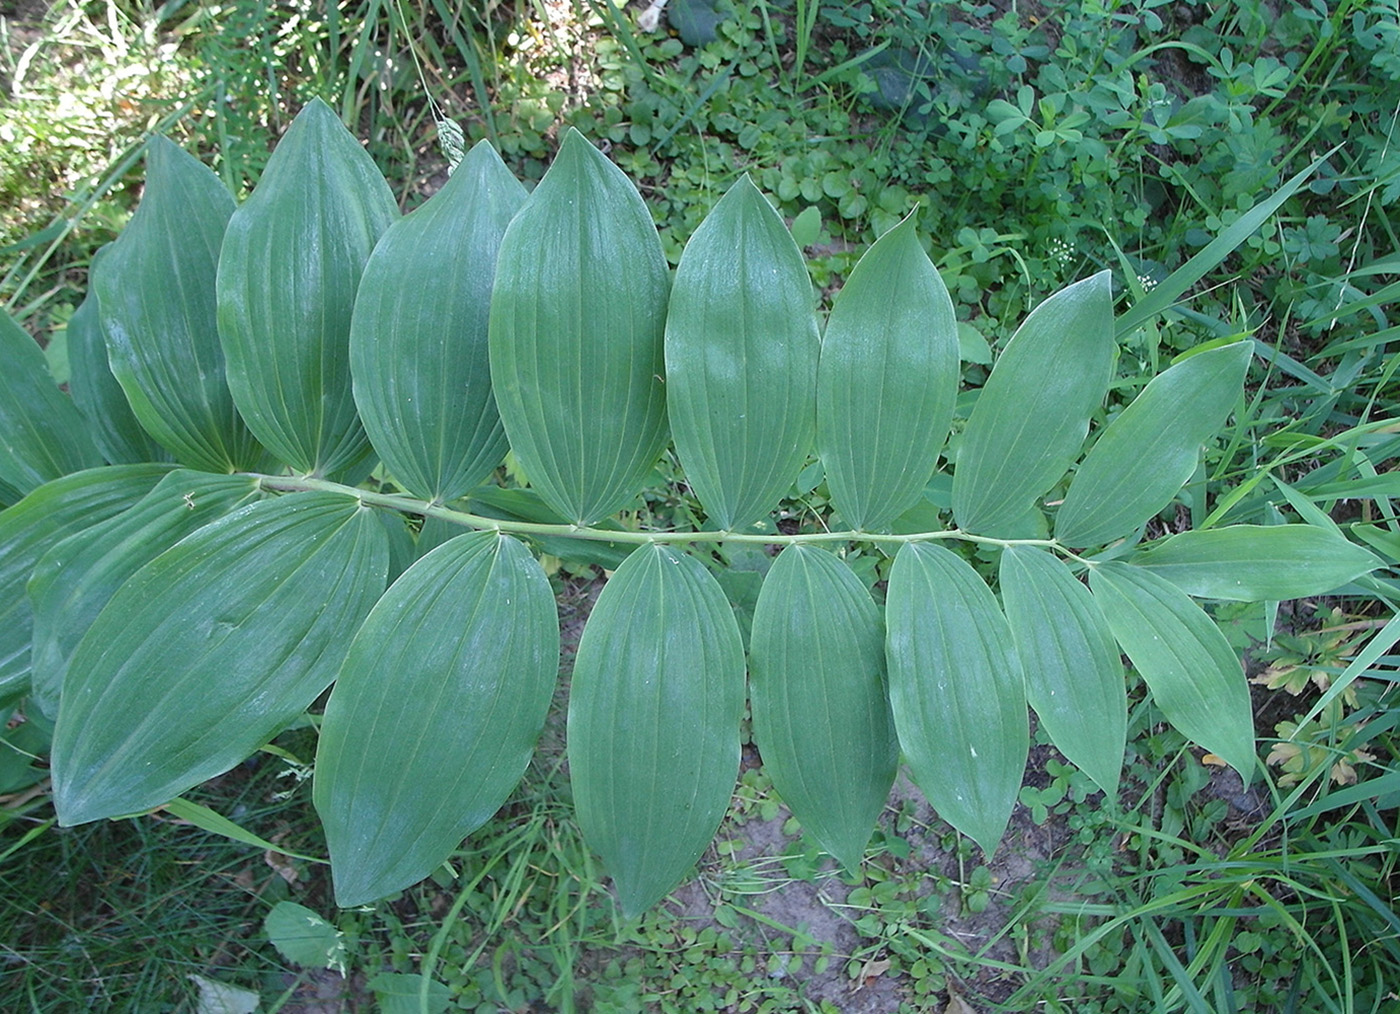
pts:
[1074, 676]
[290, 267]
[1194, 676]
[156, 303]
[956, 690]
[36, 524]
[741, 359]
[887, 381]
[418, 351]
[1146, 455]
[578, 313]
[654, 712]
[435, 712]
[1032, 415]
[210, 649]
[821, 715]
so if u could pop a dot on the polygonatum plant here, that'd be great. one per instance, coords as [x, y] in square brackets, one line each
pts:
[201, 540]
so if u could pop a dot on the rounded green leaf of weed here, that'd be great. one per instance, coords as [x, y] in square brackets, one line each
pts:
[578, 313]
[435, 712]
[1032, 415]
[115, 430]
[288, 273]
[821, 715]
[1074, 675]
[956, 689]
[741, 359]
[76, 578]
[422, 378]
[42, 434]
[36, 524]
[887, 381]
[1183, 657]
[155, 288]
[654, 712]
[1146, 455]
[211, 649]
[1254, 563]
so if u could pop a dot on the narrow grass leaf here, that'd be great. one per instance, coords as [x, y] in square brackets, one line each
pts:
[887, 381]
[1032, 415]
[156, 304]
[1147, 453]
[741, 359]
[42, 434]
[821, 713]
[422, 378]
[76, 578]
[214, 822]
[36, 524]
[288, 273]
[578, 313]
[654, 712]
[1074, 676]
[435, 712]
[1254, 563]
[210, 649]
[1194, 676]
[114, 428]
[956, 689]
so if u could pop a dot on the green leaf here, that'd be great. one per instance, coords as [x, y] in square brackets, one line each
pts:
[210, 649]
[1145, 456]
[96, 392]
[418, 354]
[155, 292]
[399, 994]
[304, 938]
[1031, 417]
[821, 716]
[887, 381]
[577, 319]
[291, 264]
[1074, 676]
[435, 712]
[1252, 563]
[42, 433]
[1184, 658]
[76, 578]
[525, 505]
[956, 689]
[36, 524]
[654, 712]
[741, 359]
[214, 822]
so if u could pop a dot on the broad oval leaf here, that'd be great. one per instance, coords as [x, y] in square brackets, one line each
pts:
[1146, 455]
[1074, 675]
[36, 524]
[76, 578]
[42, 434]
[1032, 415]
[155, 293]
[1183, 657]
[577, 318]
[290, 266]
[114, 428]
[1254, 563]
[887, 381]
[418, 355]
[741, 359]
[435, 712]
[210, 649]
[956, 689]
[821, 714]
[654, 712]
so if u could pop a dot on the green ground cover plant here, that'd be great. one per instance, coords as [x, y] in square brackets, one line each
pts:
[1184, 924]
